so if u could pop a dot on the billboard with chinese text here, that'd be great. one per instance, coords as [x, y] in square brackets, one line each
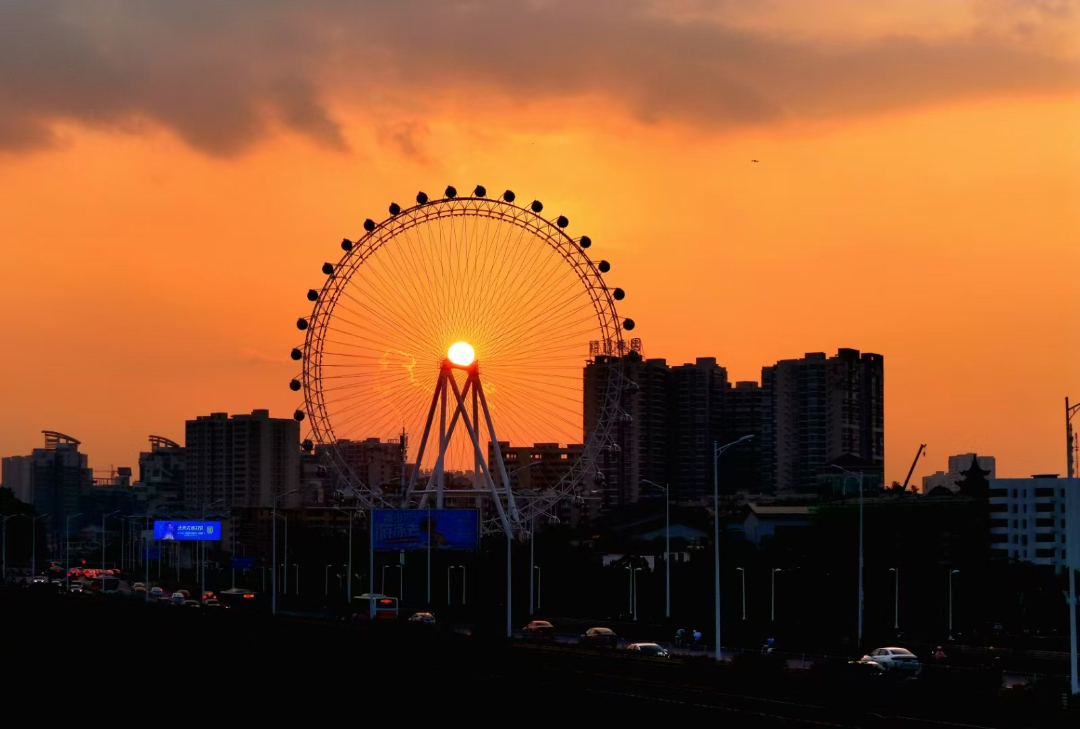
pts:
[411, 528]
[187, 530]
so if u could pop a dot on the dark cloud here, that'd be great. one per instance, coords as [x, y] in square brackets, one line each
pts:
[219, 75]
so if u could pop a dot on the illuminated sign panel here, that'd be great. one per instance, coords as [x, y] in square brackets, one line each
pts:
[457, 529]
[183, 531]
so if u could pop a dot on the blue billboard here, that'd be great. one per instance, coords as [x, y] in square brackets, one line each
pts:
[411, 528]
[181, 531]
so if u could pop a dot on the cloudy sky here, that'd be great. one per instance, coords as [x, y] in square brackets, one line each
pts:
[172, 174]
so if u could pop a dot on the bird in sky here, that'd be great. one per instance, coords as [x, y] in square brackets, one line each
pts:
[753, 160]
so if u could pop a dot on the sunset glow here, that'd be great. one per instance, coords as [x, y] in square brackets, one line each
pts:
[461, 354]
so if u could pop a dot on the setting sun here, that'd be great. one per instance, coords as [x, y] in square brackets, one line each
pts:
[461, 354]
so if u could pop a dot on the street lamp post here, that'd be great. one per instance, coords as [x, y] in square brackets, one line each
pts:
[146, 554]
[717, 452]
[896, 597]
[636, 589]
[538, 584]
[667, 544]
[201, 550]
[67, 551]
[858, 478]
[382, 587]
[742, 574]
[951, 573]
[401, 582]
[33, 541]
[326, 580]
[630, 592]
[273, 551]
[3, 527]
[111, 513]
[772, 601]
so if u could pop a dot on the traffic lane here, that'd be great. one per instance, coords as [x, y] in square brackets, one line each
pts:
[727, 654]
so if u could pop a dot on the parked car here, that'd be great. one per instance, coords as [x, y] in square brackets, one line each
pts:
[652, 650]
[893, 658]
[599, 638]
[539, 629]
[425, 618]
[157, 592]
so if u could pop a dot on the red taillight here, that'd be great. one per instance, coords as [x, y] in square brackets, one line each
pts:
[247, 596]
[385, 602]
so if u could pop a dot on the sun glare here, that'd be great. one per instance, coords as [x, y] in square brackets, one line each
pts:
[461, 354]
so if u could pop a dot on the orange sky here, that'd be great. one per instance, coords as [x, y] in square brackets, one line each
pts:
[912, 198]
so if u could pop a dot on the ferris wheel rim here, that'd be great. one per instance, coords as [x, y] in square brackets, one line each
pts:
[381, 234]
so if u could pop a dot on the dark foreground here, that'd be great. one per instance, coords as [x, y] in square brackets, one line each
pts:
[180, 664]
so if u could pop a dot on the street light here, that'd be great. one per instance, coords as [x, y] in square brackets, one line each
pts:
[743, 574]
[3, 527]
[111, 513]
[146, 553]
[33, 540]
[538, 584]
[667, 544]
[67, 551]
[201, 551]
[630, 594]
[951, 573]
[273, 552]
[896, 598]
[401, 583]
[858, 478]
[532, 544]
[717, 452]
[772, 601]
[636, 570]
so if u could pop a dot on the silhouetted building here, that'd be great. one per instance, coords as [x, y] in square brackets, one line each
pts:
[824, 408]
[540, 467]
[61, 480]
[17, 474]
[244, 460]
[950, 479]
[161, 476]
[747, 410]
[696, 423]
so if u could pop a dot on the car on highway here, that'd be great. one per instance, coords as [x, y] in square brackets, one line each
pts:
[178, 598]
[425, 618]
[157, 592]
[539, 629]
[213, 602]
[207, 595]
[185, 593]
[39, 579]
[76, 588]
[139, 587]
[191, 603]
[652, 650]
[865, 668]
[893, 658]
[164, 600]
[599, 638]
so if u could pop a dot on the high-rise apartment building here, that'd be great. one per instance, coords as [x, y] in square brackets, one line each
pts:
[61, 480]
[17, 474]
[640, 437]
[161, 476]
[244, 460]
[696, 394]
[747, 410]
[825, 408]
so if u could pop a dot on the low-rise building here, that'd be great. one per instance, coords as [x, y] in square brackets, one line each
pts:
[1028, 519]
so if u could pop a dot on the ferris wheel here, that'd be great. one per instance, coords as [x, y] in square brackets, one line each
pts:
[462, 326]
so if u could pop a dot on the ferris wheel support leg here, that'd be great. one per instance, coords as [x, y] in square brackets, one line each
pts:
[498, 453]
[440, 470]
[443, 444]
[440, 387]
[480, 456]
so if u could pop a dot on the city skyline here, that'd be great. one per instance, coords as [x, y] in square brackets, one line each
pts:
[158, 255]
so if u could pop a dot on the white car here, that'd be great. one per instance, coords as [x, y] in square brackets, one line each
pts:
[894, 658]
[425, 618]
[157, 592]
[178, 598]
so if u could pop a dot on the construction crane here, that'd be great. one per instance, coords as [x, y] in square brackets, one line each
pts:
[912, 469]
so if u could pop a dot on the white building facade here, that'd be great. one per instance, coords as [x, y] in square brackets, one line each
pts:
[1029, 518]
